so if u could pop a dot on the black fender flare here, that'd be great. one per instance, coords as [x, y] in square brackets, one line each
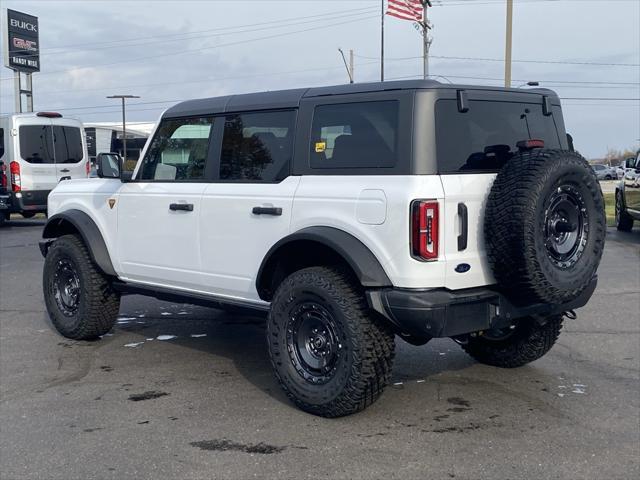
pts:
[58, 225]
[362, 261]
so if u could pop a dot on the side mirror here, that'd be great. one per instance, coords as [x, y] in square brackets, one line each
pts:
[108, 165]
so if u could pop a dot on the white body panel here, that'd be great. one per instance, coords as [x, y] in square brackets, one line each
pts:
[234, 241]
[218, 247]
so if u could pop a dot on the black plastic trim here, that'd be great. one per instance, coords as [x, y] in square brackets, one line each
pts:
[179, 296]
[89, 232]
[362, 261]
[447, 313]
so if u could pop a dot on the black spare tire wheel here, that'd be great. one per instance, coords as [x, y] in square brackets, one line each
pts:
[545, 226]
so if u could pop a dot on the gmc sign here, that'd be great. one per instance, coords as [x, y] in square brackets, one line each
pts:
[22, 44]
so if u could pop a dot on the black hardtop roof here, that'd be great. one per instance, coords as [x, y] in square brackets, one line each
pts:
[292, 98]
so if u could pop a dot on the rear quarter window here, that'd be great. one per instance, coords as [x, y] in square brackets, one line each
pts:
[355, 135]
[484, 138]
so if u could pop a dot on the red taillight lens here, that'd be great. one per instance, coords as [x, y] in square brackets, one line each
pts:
[425, 220]
[16, 181]
[88, 168]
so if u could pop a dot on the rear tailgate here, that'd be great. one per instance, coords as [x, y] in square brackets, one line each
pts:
[70, 149]
[464, 251]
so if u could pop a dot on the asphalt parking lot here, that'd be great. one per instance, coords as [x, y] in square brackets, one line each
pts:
[203, 403]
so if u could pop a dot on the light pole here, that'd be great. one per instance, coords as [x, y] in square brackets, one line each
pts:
[509, 40]
[124, 125]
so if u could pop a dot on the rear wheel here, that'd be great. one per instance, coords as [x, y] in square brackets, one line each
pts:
[515, 346]
[331, 357]
[81, 303]
[624, 221]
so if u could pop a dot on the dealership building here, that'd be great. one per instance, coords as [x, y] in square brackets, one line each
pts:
[105, 137]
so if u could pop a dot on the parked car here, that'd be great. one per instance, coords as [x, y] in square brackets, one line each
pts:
[349, 214]
[604, 172]
[628, 195]
[40, 149]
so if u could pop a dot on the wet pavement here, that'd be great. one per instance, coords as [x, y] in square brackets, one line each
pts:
[184, 392]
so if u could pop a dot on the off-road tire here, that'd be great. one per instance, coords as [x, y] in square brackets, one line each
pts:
[516, 222]
[363, 368]
[98, 304]
[529, 341]
[624, 221]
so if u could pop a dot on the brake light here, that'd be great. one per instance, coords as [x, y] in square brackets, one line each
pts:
[424, 229]
[3, 176]
[49, 114]
[87, 167]
[16, 181]
[523, 145]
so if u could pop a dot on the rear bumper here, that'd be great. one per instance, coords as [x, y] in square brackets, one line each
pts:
[29, 201]
[447, 313]
[5, 202]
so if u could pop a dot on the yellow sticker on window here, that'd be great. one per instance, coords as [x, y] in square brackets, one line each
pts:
[321, 147]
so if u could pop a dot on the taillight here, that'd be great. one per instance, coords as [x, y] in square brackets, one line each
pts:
[424, 229]
[16, 181]
[3, 176]
[88, 167]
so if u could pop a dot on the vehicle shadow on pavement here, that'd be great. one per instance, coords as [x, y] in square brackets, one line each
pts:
[240, 339]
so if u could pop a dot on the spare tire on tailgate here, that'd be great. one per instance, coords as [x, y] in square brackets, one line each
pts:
[545, 226]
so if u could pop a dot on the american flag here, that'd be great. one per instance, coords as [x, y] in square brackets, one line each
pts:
[406, 9]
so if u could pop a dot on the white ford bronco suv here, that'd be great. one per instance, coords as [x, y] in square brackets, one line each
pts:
[351, 214]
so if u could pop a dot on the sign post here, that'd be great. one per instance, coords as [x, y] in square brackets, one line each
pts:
[21, 52]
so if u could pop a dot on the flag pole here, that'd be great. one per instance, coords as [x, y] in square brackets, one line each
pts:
[382, 40]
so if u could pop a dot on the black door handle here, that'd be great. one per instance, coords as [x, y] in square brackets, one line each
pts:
[65, 170]
[185, 207]
[464, 226]
[267, 211]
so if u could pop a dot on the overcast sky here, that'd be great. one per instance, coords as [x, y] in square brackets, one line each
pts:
[170, 50]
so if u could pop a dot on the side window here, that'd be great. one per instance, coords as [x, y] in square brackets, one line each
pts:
[257, 146]
[178, 150]
[67, 144]
[36, 144]
[355, 135]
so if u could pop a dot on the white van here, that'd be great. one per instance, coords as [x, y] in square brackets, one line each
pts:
[39, 150]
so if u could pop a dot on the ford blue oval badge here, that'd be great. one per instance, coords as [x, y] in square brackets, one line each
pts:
[463, 268]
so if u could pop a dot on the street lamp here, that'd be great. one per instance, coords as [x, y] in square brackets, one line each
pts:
[124, 124]
[530, 84]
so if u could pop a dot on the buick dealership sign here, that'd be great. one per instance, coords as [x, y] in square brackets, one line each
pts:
[21, 42]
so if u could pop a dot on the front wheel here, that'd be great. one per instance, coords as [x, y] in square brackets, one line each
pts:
[330, 355]
[515, 346]
[80, 300]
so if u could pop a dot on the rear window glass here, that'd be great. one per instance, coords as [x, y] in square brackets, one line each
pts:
[68, 144]
[485, 137]
[36, 144]
[355, 135]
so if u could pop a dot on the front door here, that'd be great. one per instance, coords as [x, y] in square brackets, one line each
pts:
[159, 212]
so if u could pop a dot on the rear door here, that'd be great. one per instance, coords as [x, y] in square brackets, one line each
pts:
[471, 148]
[36, 154]
[70, 149]
[247, 209]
